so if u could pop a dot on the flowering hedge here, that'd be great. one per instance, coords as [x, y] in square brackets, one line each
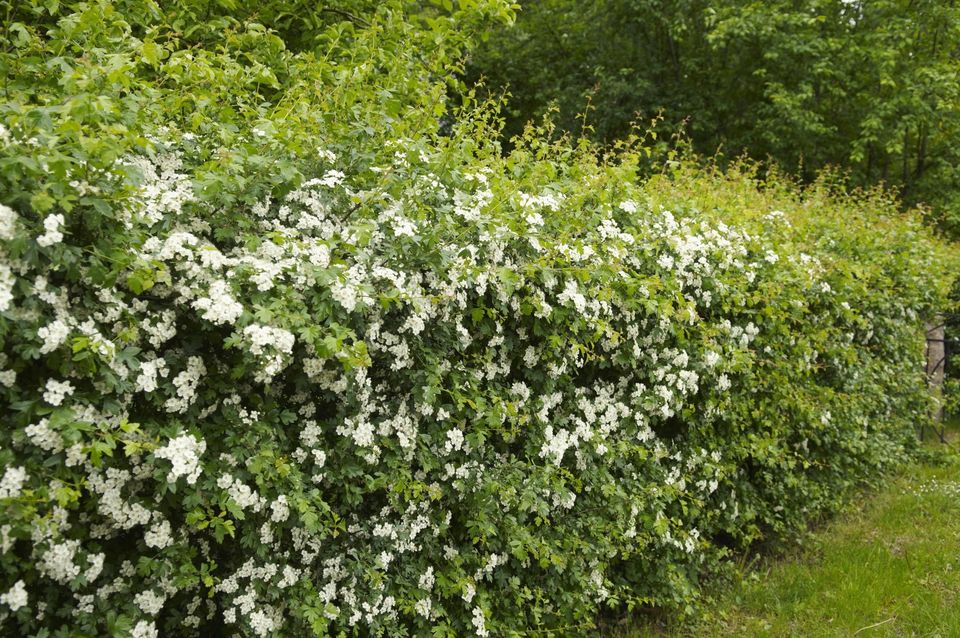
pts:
[290, 361]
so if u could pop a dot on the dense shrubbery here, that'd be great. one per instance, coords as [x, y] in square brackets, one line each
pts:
[281, 359]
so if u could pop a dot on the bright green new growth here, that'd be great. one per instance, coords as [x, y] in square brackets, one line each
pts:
[290, 347]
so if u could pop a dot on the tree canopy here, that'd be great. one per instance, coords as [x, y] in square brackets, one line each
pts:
[871, 87]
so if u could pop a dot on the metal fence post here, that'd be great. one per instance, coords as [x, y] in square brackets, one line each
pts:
[936, 363]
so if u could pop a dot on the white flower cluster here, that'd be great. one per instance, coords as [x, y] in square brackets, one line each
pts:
[52, 233]
[7, 282]
[57, 391]
[53, 335]
[270, 344]
[186, 383]
[149, 602]
[150, 370]
[159, 535]
[548, 200]
[164, 190]
[7, 377]
[144, 629]
[280, 510]
[8, 222]
[219, 306]
[57, 562]
[348, 293]
[94, 566]
[8, 228]
[41, 435]
[263, 619]
[184, 453]
[15, 597]
[121, 513]
[12, 482]
[454, 441]
[240, 493]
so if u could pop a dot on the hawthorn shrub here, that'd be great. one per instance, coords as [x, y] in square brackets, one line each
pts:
[286, 352]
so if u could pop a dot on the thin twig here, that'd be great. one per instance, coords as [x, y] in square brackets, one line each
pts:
[883, 622]
[347, 15]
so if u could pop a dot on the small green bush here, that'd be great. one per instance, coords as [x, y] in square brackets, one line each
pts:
[951, 397]
[287, 350]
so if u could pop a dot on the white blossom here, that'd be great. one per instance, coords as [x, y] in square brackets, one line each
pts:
[57, 391]
[144, 629]
[53, 335]
[15, 597]
[52, 235]
[41, 435]
[12, 482]
[571, 295]
[426, 579]
[423, 607]
[186, 383]
[57, 562]
[263, 337]
[94, 566]
[332, 178]
[219, 306]
[149, 602]
[184, 453]
[723, 383]
[479, 622]
[454, 440]
[7, 282]
[280, 510]
[150, 370]
[8, 222]
[159, 535]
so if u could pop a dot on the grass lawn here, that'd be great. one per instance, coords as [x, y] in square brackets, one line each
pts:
[890, 566]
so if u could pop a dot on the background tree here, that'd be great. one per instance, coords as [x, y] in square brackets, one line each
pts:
[869, 86]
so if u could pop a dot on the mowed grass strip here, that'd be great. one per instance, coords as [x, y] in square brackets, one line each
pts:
[890, 566]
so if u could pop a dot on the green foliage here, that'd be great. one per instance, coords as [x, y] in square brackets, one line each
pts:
[951, 397]
[290, 346]
[872, 87]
